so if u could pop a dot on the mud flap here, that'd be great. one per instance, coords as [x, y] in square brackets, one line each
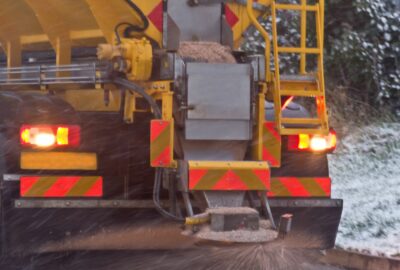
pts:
[31, 231]
[315, 221]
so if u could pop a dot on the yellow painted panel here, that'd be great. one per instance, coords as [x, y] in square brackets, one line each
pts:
[92, 100]
[109, 13]
[235, 165]
[244, 21]
[58, 161]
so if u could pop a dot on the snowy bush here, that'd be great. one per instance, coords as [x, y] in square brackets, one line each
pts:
[362, 48]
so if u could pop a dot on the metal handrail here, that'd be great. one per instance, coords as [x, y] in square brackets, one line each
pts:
[264, 33]
[42, 75]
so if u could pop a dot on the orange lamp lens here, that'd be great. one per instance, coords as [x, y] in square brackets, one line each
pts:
[47, 136]
[62, 136]
[304, 141]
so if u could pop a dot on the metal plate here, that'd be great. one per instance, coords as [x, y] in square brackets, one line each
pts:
[205, 150]
[224, 198]
[218, 130]
[58, 161]
[48, 203]
[221, 97]
[219, 91]
[198, 23]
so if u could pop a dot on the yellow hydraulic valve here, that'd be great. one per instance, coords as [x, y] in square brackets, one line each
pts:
[132, 56]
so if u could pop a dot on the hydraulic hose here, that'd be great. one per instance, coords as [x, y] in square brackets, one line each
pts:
[143, 18]
[140, 90]
[156, 197]
[157, 114]
[131, 27]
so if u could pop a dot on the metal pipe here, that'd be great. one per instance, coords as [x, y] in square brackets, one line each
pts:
[303, 56]
[267, 208]
[126, 84]
[198, 219]
[156, 197]
[264, 33]
[159, 171]
[141, 91]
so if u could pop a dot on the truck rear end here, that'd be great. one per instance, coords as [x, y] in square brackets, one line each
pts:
[166, 114]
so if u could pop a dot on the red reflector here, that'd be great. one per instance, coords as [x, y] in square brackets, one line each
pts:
[45, 136]
[231, 17]
[61, 186]
[313, 143]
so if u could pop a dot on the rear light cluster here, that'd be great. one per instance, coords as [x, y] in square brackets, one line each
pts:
[314, 143]
[46, 136]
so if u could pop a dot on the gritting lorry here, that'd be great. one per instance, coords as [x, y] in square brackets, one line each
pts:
[154, 104]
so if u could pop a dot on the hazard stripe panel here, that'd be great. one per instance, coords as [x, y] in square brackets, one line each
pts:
[271, 146]
[156, 16]
[161, 143]
[61, 186]
[300, 187]
[154, 11]
[235, 175]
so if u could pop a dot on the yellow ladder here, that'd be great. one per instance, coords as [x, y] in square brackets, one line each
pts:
[303, 84]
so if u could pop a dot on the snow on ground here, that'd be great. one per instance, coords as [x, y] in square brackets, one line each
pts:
[366, 173]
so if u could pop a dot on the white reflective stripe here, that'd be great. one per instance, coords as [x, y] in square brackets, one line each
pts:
[11, 177]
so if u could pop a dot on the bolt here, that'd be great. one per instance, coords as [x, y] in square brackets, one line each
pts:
[67, 203]
[18, 204]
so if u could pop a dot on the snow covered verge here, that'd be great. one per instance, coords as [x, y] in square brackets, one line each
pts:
[366, 173]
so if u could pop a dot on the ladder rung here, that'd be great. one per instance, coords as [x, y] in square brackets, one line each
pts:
[299, 50]
[296, 131]
[301, 121]
[295, 7]
[301, 93]
[298, 78]
[299, 87]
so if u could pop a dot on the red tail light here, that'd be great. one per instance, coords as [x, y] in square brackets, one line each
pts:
[45, 136]
[313, 143]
